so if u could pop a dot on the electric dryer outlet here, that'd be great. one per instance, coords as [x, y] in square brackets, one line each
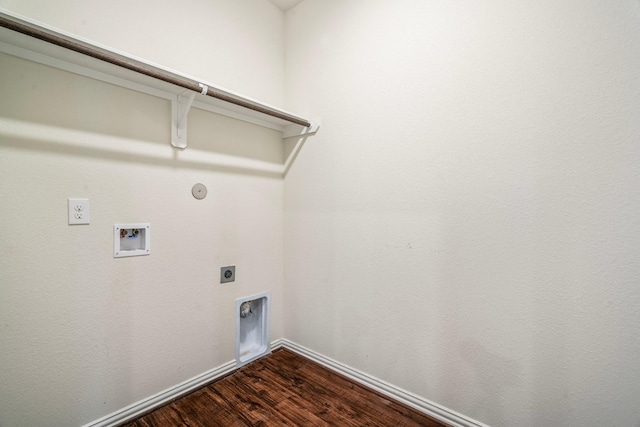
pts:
[228, 274]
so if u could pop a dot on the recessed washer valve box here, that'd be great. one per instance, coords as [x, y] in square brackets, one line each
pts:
[131, 240]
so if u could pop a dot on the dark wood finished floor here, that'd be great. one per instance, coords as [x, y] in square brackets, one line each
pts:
[284, 389]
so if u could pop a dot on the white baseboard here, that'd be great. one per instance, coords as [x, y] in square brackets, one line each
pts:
[410, 399]
[430, 408]
[135, 410]
[277, 344]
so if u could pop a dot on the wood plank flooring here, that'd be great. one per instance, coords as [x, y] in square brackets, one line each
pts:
[284, 389]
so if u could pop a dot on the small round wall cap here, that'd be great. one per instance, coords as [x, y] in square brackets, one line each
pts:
[199, 191]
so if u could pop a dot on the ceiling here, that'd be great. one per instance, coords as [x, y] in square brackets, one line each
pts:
[285, 4]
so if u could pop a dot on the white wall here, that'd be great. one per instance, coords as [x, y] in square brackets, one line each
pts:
[83, 334]
[465, 225]
[235, 45]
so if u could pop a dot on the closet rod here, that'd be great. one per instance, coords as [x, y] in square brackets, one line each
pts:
[32, 31]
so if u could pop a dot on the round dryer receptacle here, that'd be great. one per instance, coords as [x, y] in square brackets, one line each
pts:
[199, 191]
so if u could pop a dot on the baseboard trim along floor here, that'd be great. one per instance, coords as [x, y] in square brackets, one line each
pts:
[141, 407]
[416, 402]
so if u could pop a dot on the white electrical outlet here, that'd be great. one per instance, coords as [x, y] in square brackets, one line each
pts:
[78, 211]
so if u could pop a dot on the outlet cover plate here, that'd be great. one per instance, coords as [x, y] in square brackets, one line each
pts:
[78, 211]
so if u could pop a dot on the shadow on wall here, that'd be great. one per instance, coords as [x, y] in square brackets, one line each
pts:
[83, 144]
[495, 375]
[224, 135]
[75, 113]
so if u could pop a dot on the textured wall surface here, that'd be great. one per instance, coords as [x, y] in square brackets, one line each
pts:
[234, 45]
[465, 225]
[83, 334]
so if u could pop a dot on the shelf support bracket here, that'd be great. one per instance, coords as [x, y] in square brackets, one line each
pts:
[180, 106]
[297, 131]
[294, 137]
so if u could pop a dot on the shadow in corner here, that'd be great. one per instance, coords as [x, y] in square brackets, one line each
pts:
[292, 147]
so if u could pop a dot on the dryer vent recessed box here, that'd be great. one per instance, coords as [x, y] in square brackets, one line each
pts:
[131, 240]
